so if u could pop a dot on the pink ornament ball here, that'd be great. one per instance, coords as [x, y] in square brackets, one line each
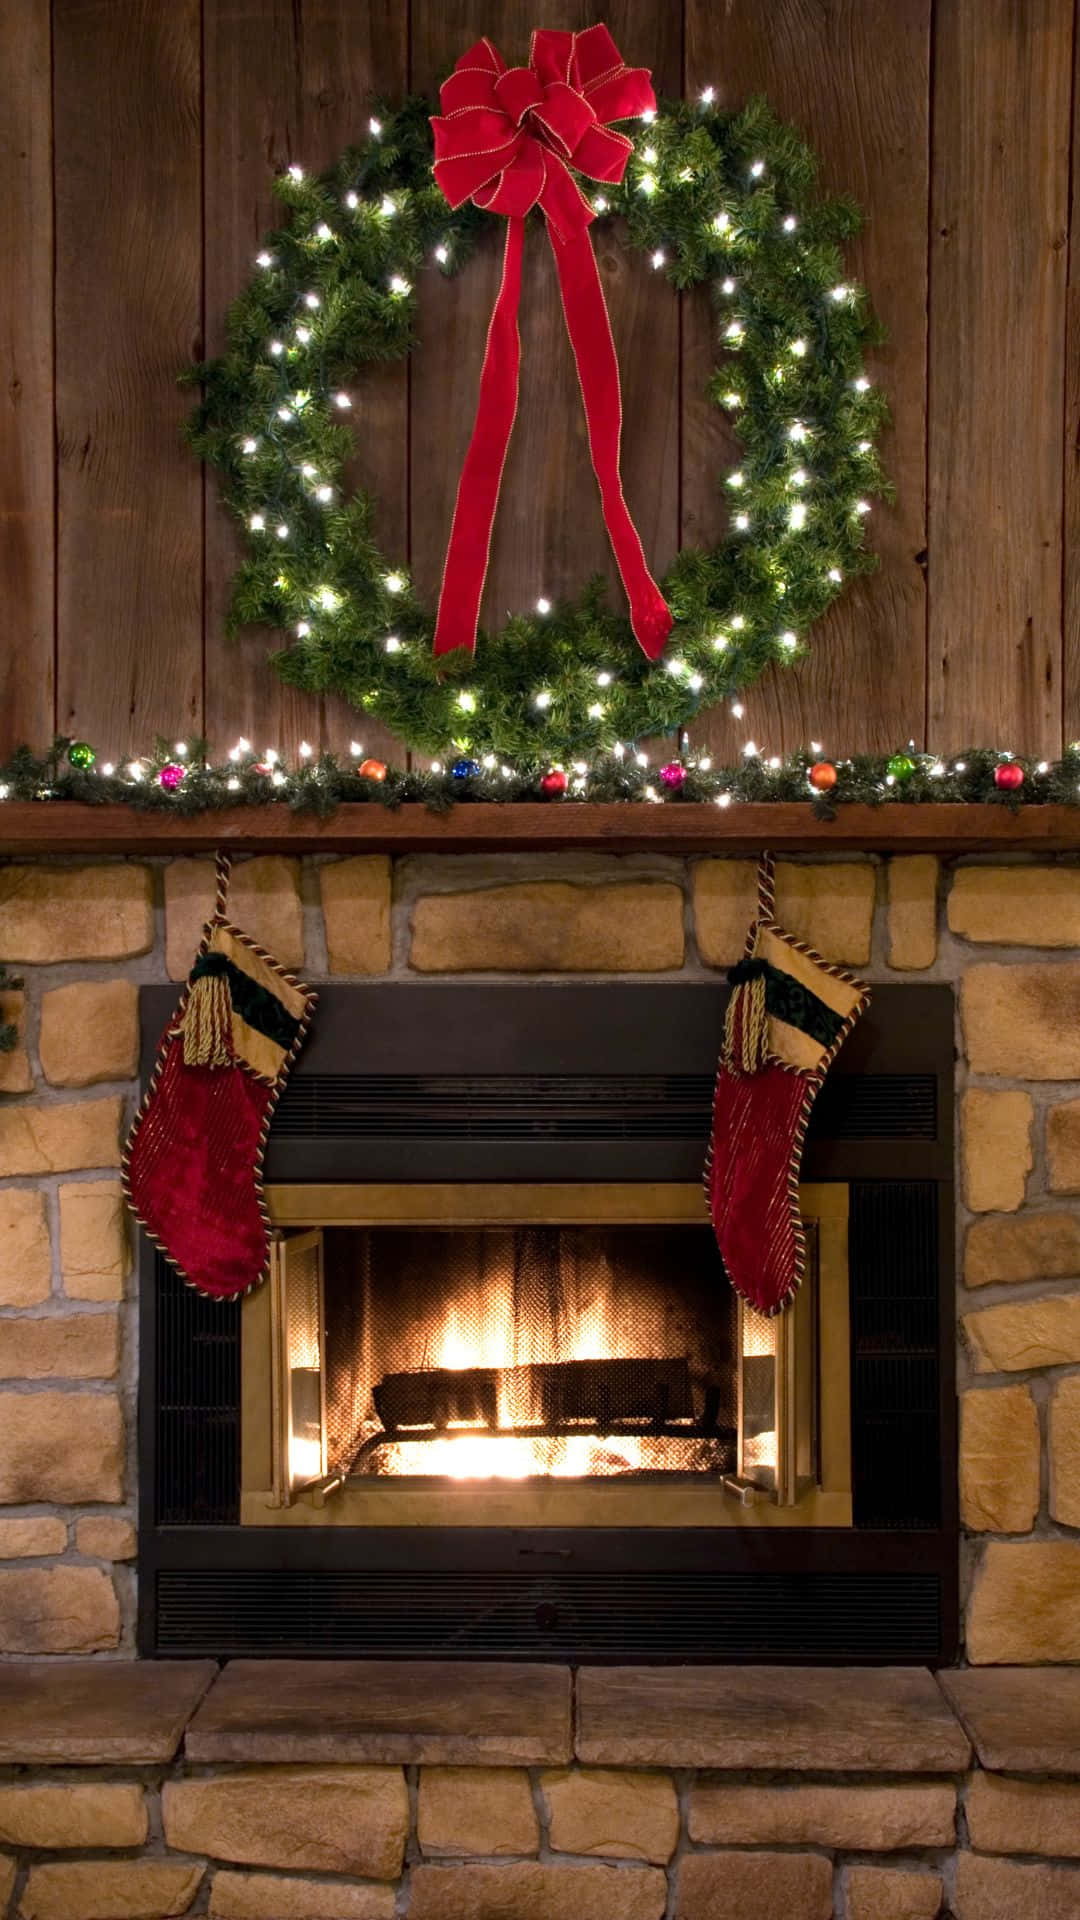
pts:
[171, 775]
[673, 775]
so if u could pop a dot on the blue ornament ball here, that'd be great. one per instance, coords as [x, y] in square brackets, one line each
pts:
[465, 769]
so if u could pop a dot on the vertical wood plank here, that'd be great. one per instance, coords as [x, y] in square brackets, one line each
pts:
[128, 247]
[290, 80]
[1071, 448]
[854, 76]
[26, 395]
[1003, 77]
[549, 536]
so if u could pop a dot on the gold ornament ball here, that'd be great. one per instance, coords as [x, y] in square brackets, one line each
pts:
[823, 775]
[372, 770]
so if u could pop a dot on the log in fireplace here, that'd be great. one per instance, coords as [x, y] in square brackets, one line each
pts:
[498, 1396]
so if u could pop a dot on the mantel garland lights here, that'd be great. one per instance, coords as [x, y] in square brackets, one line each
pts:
[711, 197]
[177, 779]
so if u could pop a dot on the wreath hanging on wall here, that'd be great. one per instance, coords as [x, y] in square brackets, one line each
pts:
[718, 199]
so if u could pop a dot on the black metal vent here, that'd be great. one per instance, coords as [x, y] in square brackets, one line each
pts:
[669, 1614]
[197, 1366]
[895, 1368]
[624, 1106]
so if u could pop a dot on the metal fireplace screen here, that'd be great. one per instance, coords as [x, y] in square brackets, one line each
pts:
[514, 1351]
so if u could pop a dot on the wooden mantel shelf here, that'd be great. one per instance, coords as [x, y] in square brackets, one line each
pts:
[63, 827]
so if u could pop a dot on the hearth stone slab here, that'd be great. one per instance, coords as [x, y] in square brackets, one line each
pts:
[448, 1713]
[1021, 1719]
[883, 1719]
[92, 1712]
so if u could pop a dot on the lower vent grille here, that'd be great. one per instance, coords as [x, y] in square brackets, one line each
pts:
[666, 1615]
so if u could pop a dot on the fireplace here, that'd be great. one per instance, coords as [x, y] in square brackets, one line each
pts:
[498, 1396]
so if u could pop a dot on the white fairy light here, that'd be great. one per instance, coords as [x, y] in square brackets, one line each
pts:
[467, 702]
[233, 784]
[862, 384]
[797, 432]
[728, 286]
[890, 779]
[488, 761]
[394, 583]
[180, 749]
[742, 522]
[296, 173]
[303, 334]
[839, 293]
[284, 413]
[790, 223]
[342, 400]
[732, 400]
[399, 285]
[277, 778]
[720, 641]
[356, 749]
[442, 255]
[352, 201]
[324, 232]
[797, 516]
[835, 575]
[774, 763]
[436, 766]
[387, 207]
[257, 522]
[282, 531]
[250, 445]
[507, 772]
[707, 96]
[264, 259]
[736, 479]
[651, 794]
[798, 348]
[108, 770]
[862, 506]
[542, 700]
[580, 766]
[816, 746]
[750, 750]
[647, 183]
[543, 606]
[642, 759]
[738, 622]
[311, 300]
[392, 644]
[596, 711]
[1043, 767]
[374, 127]
[737, 709]
[960, 766]
[649, 155]
[303, 628]
[705, 763]
[723, 799]
[798, 478]
[305, 750]
[277, 348]
[604, 679]
[134, 770]
[658, 259]
[733, 332]
[675, 666]
[695, 682]
[863, 446]
[600, 205]
[271, 756]
[324, 494]
[328, 599]
[757, 169]
[789, 641]
[937, 770]
[721, 222]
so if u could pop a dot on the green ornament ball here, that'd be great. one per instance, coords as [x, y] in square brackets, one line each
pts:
[901, 766]
[82, 755]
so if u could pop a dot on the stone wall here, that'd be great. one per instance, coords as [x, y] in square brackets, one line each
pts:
[85, 936]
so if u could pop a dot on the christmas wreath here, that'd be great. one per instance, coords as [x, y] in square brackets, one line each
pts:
[721, 200]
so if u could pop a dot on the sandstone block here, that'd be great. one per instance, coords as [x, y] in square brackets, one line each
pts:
[109, 1890]
[1025, 1605]
[1065, 1452]
[997, 1149]
[477, 1810]
[7, 1881]
[95, 1817]
[106, 1712]
[264, 900]
[830, 907]
[525, 1890]
[75, 913]
[550, 926]
[72, 1346]
[1024, 1719]
[1034, 1333]
[857, 1819]
[15, 1074]
[95, 1246]
[1003, 1889]
[1018, 906]
[754, 1886]
[89, 1032]
[1036, 1246]
[1023, 1021]
[25, 1257]
[356, 913]
[1022, 1816]
[912, 919]
[334, 1819]
[57, 1610]
[1063, 1147]
[888, 1893]
[269, 1896]
[999, 1460]
[628, 1816]
[67, 1447]
[61, 1139]
[30, 1539]
[106, 1536]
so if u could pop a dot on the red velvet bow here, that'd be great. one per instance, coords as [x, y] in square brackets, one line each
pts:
[507, 139]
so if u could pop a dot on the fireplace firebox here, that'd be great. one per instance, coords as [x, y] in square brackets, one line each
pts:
[498, 1396]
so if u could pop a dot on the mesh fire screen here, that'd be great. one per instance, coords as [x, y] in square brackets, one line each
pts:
[583, 1351]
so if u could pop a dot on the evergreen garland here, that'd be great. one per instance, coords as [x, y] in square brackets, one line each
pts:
[716, 198]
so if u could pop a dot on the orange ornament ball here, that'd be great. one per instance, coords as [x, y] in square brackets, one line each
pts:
[823, 775]
[372, 770]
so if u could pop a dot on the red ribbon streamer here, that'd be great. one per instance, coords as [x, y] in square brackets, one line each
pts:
[506, 139]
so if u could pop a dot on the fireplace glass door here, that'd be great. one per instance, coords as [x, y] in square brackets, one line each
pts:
[513, 1342]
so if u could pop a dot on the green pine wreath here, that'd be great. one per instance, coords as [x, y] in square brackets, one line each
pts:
[715, 198]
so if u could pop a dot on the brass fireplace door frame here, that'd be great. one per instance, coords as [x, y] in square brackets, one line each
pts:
[284, 1478]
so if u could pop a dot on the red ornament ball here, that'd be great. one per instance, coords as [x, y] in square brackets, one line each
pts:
[554, 781]
[372, 770]
[171, 775]
[1009, 775]
[823, 775]
[673, 774]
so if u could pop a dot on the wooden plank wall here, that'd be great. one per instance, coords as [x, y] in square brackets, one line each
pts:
[138, 139]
